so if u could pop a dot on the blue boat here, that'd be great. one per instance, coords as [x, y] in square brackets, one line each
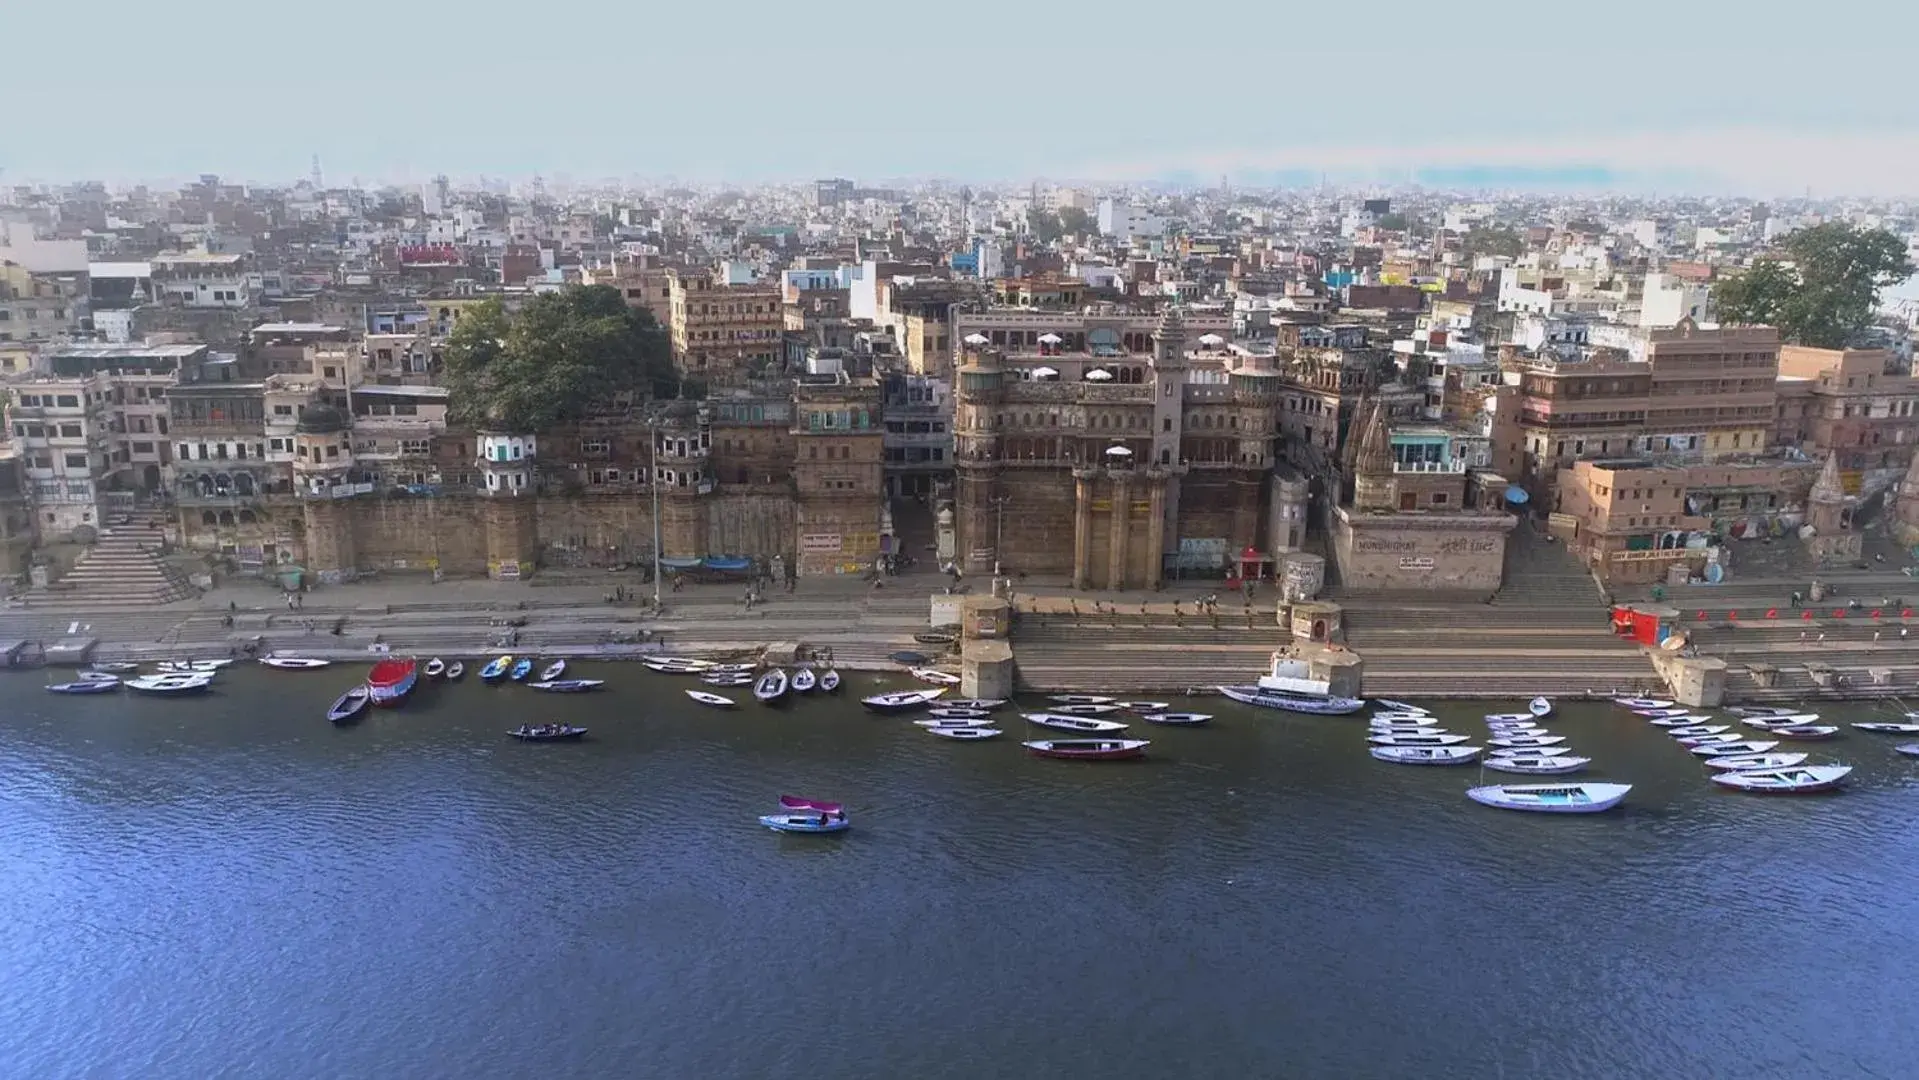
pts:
[567, 686]
[496, 668]
[1299, 703]
[521, 669]
[85, 686]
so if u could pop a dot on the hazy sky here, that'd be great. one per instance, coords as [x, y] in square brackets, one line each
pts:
[1696, 94]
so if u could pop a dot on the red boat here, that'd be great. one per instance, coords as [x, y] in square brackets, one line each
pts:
[1089, 749]
[391, 681]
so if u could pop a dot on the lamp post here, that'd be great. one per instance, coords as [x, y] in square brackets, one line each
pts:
[653, 483]
[999, 528]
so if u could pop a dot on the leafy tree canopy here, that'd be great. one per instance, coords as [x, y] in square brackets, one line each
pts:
[1075, 222]
[546, 364]
[1491, 240]
[1045, 225]
[1820, 288]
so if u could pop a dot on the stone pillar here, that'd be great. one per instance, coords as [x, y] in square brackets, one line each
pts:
[1082, 529]
[332, 552]
[1156, 531]
[1122, 506]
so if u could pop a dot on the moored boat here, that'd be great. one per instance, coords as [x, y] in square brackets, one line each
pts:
[1737, 762]
[1080, 699]
[900, 701]
[1886, 728]
[965, 734]
[948, 712]
[951, 722]
[1706, 740]
[1400, 720]
[1526, 742]
[1088, 749]
[455, 671]
[771, 686]
[1515, 726]
[177, 667]
[1681, 720]
[1805, 732]
[1084, 710]
[1767, 723]
[1398, 706]
[1653, 714]
[349, 706]
[1509, 718]
[1799, 780]
[1144, 706]
[567, 686]
[1535, 765]
[1642, 703]
[1749, 746]
[1179, 719]
[804, 680]
[435, 668]
[521, 669]
[1378, 728]
[391, 681]
[1425, 755]
[1695, 730]
[120, 667]
[1551, 798]
[934, 676]
[1540, 707]
[1407, 717]
[294, 663]
[677, 665]
[553, 671]
[1073, 723]
[547, 732]
[84, 686]
[496, 668]
[178, 684]
[1762, 710]
[1422, 738]
[1909, 749]
[1528, 751]
[829, 681]
[97, 676]
[1300, 703]
[982, 704]
[727, 680]
[712, 700]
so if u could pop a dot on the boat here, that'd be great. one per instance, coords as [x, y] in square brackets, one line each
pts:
[391, 681]
[293, 663]
[1398, 706]
[1081, 699]
[1088, 749]
[770, 686]
[1805, 732]
[97, 676]
[900, 701]
[547, 732]
[1540, 707]
[1642, 703]
[1695, 730]
[1908, 749]
[1181, 719]
[983, 704]
[1888, 728]
[553, 671]
[348, 706]
[1761, 710]
[1737, 762]
[1513, 725]
[117, 667]
[1072, 723]
[934, 676]
[965, 734]
[567, 686]
[1800, 780]
[1682, 720]
[1085, 710]
[186, 666]
[455, 671]
[1299, 703]
[1528, 751]
[1401, 721]
[435, 668]
[936, 637]
[947, 712]
[1653, 714]
[1534, 765]
[1706, 740]
[799, 815]
[496, 668]
[1509, 718]
[1408, 717]
[804, 680]
[951, 722]
[1526, 742]
[1405, 729]
[522, 668]
[677, 665]
[85, 686]
[1551, 798]
[1770, 723]
[829, 681]
[714, 700]
[1425, 755]
[190, 683]
[1422, 738]
[1739, 748]
[727, 680]
[1144, 706]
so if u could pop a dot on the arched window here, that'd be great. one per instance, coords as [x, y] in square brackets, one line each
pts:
[243, 483]
[247, 517]
[207, 518]
[206, 483]
[226, 517]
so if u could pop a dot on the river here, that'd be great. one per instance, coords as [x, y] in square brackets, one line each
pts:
[229, 887]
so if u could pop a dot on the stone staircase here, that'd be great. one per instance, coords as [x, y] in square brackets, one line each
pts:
[121, 570]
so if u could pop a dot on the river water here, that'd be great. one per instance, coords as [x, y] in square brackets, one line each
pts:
[229, 887]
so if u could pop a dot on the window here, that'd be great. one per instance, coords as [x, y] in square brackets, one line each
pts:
[283, 410]
[413, 446]
[332, 452]
[67, 401]
[76, 461]
[69, 431]
[593, 447]
[143, 448]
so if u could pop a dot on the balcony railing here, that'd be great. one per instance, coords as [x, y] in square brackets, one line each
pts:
[1455, 465]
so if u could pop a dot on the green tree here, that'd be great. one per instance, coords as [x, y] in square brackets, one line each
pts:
[1492, 240]
[547, 363]
[1045, 225]
[1820, 288]
[1075, 222]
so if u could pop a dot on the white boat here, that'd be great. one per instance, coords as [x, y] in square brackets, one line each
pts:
[293, 663]
[1398, 706]
[553, 671]
[1761, 710]
[1736, 762]
[189, 666]
[435, 668]
[727, 680]
[1909, 749]
[1528, 751]
[1144, 706]
[1527, 742]
[117, 667]
[1882, 727]
[965, 734]
[771, 686]
[1750, 746]
[1654, 714]
[1798, 780]
[97, 676]
[901, 700]
[1540, 707]
[566, 686]
[177, 683]
[1182, 719]
[1423, 717]
[1417, 739]
[1080, 699]
[1706, 740]
[677, 665]
[1516, 727]
[948, 722]
[1073, 723]
[986, 704]
[1401, 720]
[1425, 755]
[829, 681]
[1642, 703]
[1805, 731]
[1509, 718]
[1084, 710]
[733, 669]
[1682, 720]
[714, 700]
[1404, 729]
[1767, 723]
[947, 712]
[934, 676]
[1551, 798]
[1534, 765]
[804, 680]
[1695, 730]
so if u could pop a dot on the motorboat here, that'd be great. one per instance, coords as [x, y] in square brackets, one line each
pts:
[567, 686]
[1749, 746]
[1085, 710]
[455, 671]
[1398, 706]
[1642, 703]
[1073, 723]
[1805, 732]
[435, 668]
[84, 686]
[1706, 740]
[1177, 719]
[1425, 755]
[900, 701]
[1798, 780]
[1526, 742]
[934, 676]
[714, 700]
[496, 668]
[553, 671]
[1312, 704]
[1528, 751]
[1692, 731]
[829, 681]
[1534, 765]
[522, 668]
[1885, 728]
[947, 712]
[294, 663]
[1681, 720]
[1088, 749]
[982, 704]
[799, 815]
[1540, 707]
[770, 686]
[547, 732]
[349, 706]
[1738, 762]
[1416, 739]
[804, 680]
[177, 684]
[176, 667]
[1144, 706]
[965, 734]
[391, 681]
[1081, 699]
[1551, 798]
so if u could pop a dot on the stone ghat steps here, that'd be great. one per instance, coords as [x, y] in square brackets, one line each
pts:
[1358, 618]
[121, 569]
